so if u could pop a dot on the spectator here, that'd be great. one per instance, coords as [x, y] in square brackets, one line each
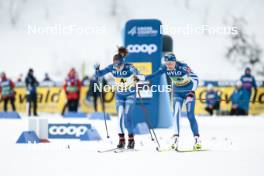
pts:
[94, 92]
[212, 100]
[249, 82]
[31, 86]
[7, 91]
[19, 78]
[239, 100]
[47, 78]
[72, 88]
[85, 80]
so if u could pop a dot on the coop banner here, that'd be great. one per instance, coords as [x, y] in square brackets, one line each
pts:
[143, 40]
[52, 100]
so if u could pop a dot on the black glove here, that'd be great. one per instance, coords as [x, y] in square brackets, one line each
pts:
[96, 67]
[136, 79]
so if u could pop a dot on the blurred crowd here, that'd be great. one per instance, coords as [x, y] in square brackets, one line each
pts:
[71, 86]
[240, 97]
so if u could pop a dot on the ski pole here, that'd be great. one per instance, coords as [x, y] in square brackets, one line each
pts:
[103, 107]
[146, 112]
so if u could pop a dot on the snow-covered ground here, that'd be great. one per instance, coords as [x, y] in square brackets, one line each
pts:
[235, 143]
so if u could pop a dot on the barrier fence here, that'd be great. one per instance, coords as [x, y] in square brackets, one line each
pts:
[52, 100]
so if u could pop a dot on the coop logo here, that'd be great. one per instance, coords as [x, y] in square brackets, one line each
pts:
[143, 31]
[71, 131]
[143, 48]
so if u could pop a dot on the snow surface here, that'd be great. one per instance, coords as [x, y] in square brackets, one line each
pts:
[57, 53]
[235, 143]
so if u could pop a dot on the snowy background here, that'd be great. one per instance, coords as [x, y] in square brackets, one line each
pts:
[104, 20]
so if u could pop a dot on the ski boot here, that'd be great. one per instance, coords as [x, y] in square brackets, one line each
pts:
[131, 141]
[197, 144]
[122, 141]
[175, 144]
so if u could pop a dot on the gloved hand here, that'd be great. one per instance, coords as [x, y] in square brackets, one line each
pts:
[136, 79]
[139, 78]
[96, 66]
[190, 97]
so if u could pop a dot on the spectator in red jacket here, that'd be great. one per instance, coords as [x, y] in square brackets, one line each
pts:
[72, 87]
[7, 91]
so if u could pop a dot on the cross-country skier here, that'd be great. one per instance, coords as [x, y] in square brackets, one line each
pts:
[126, 76]
[185, 82]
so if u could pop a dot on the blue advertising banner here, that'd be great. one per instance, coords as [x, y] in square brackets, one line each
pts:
[67, 131]
[144, 42]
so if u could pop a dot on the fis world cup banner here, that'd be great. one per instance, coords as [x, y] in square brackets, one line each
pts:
[143, 39]
[144, 43]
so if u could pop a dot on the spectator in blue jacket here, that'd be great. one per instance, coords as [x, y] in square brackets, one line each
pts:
[249, 83]
[239, 100]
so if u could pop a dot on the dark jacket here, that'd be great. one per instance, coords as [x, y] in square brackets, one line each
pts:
[31, 84]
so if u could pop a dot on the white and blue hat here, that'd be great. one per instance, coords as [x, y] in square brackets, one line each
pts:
[118, 60]
[169, 57]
